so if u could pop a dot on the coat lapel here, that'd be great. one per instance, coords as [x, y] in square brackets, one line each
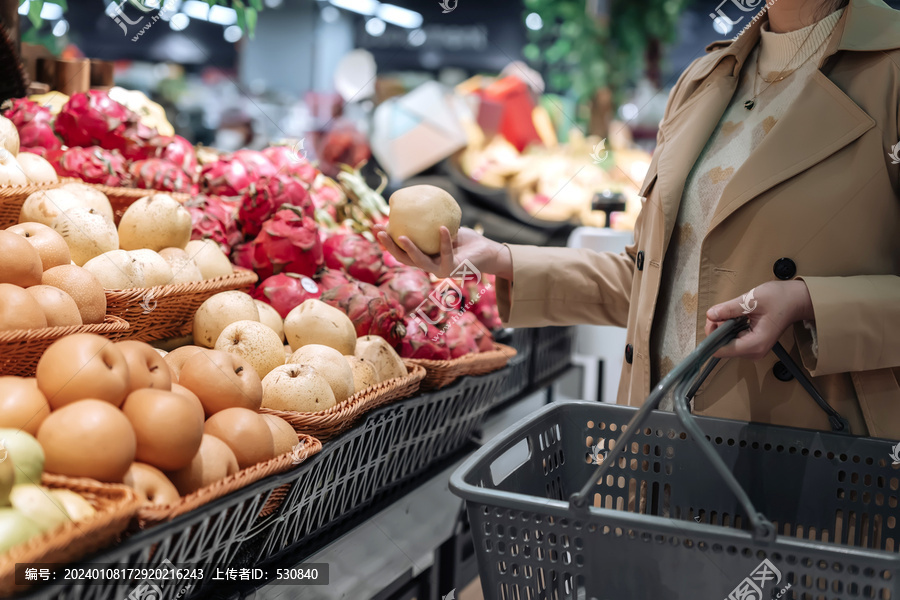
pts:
[821, 121]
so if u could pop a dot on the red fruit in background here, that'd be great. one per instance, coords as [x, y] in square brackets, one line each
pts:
[356, 255]
[94, 119]
[35, 125]
[256, 163]
[160, 174]
[226, 177]
[214, 218]
[260, 200]
[390, 262]
[326, 196]
[459, 339]
[409, 286]
[370, 310]
[288, 243]
[331, 278]
[423, 340]
[242, 256]
[482, 336]
[177, 150]
[94, 165]
[289, 160]
[51, 155]
[483, 296]
[286, 291]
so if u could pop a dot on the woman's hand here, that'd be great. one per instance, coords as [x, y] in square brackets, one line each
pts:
[486, 255]
[771, 308]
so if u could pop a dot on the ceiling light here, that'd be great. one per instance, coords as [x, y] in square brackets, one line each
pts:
[401, 17]
[534, 22]
[196, 9]
[61, 28]
[722, 25]
[233, 33]
[222, 15]
[363, 7]
[330, 14]
[179, 22]
[375, 27]
[51, 12]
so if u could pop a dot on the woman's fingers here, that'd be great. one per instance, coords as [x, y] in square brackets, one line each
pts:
[395, 250]
[421, 260]
[447, 249]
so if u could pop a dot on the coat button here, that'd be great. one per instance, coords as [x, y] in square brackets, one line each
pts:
[784, 269]
[629, 353]
[781, 372]
[640, 260]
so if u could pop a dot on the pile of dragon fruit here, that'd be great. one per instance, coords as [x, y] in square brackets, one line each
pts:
[274, 212]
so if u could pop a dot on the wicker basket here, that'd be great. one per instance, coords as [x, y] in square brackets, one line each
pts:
[337, 419]
[167, 311]
[115, 504]
[21, 349]
[13, 197]
[148, 516]
[441, 373]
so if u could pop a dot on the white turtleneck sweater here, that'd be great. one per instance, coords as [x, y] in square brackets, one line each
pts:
[737, 135]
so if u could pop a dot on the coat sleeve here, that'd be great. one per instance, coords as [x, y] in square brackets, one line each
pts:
[854, 323]
[566, 286]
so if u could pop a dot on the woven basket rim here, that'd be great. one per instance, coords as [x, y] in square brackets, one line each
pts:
[499, 348]
[110, 324]
[16, 192]
[136, 193]
[151, 515]
[125, 503]
[351, 406]
[240, 274]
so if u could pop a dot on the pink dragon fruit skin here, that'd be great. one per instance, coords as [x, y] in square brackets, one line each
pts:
[242, 256]
[94, 165]
[286, 291]
[390, 262]
[423, 341]
[331, 278]
[34, 123]
[94, 119]
[225, 177]
[326, 196]
[214, 218]
[482, 336]
[255, 162]
[409, 286]
[460, 340]
[285, 189]
[286, 159]
[371, 312]
[288, 243]
[160, 174]
[256, 206]
[356, 255]
[179, 151]
[260, 200]
[484, 301]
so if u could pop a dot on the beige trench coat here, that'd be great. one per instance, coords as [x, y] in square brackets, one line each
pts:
[819, 199]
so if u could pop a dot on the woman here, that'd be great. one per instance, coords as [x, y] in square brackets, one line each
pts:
[772, 175]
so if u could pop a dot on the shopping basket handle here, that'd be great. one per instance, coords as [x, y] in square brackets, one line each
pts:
[683, 376]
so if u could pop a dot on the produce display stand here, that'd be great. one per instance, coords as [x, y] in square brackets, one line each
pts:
[552, 352]
[784, 512]
[519, 366]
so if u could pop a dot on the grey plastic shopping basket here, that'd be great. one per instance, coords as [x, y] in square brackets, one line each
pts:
[682, 507]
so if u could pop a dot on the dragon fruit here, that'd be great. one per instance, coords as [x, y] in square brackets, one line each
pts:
[94, 165]
[287, 159]
[35, 125]
[226, 177]
[331, 278]
[287, 243]
[483, 297]
[459, 339]
[256, 163]
[172, 148]
[423, 340]
[286, 290]
[356, 255]
[409, 286]
[390, 262]
[94, 119]
[214, 218]
[482, 336]
[370, 310]
[260, 199]
[242, 256]
[326, 196]
[160, 174]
